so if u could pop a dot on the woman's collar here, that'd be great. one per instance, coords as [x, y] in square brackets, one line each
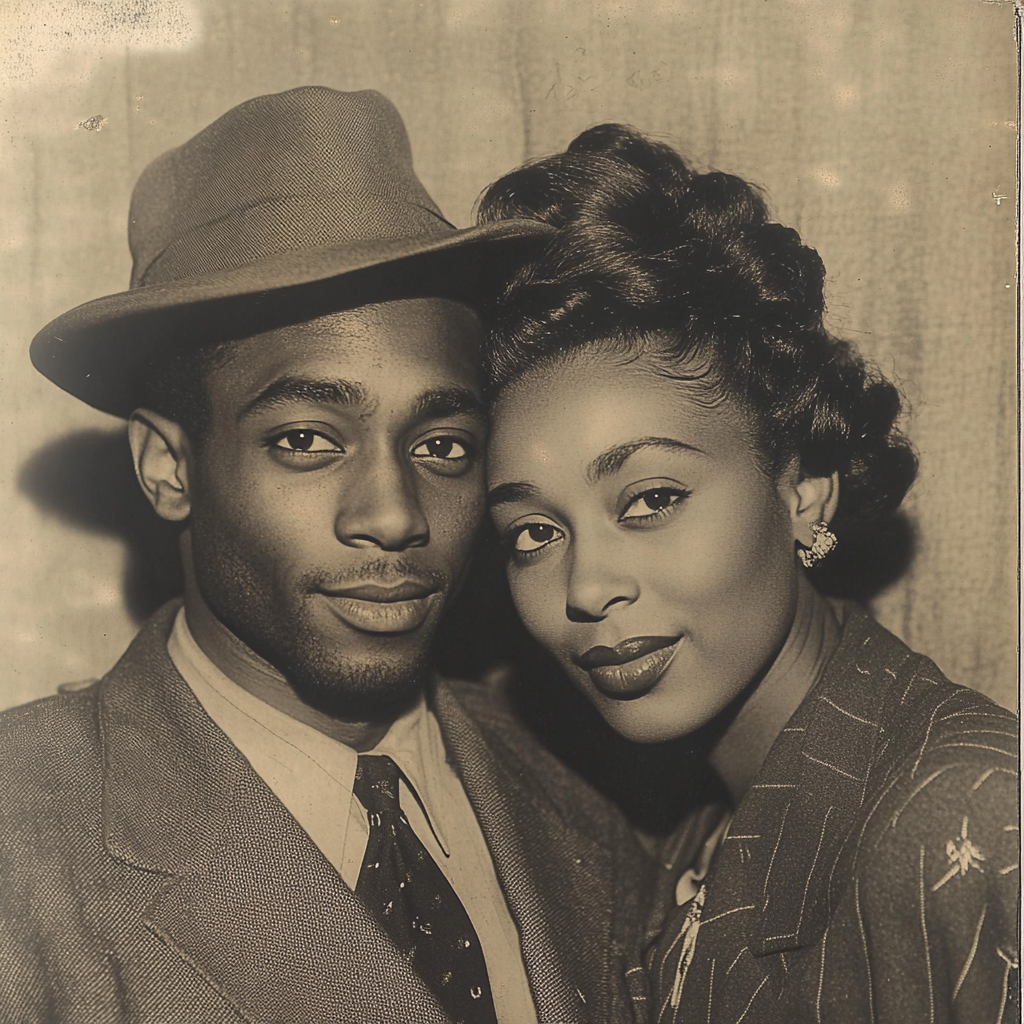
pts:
[813, 636]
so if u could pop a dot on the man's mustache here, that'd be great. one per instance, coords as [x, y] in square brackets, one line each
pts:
[382, 572]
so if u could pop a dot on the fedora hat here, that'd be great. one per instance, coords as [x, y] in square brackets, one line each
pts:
[290, 205]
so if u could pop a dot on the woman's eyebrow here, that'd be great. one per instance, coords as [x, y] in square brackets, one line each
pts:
[612, 460]
[505, 494]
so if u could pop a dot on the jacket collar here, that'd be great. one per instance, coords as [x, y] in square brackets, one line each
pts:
[788, 832]
[518, 823]
[247, 894]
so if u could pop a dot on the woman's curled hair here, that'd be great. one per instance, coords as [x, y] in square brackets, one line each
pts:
[688, 268]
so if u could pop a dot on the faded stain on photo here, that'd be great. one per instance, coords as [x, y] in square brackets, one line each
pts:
[509, 511]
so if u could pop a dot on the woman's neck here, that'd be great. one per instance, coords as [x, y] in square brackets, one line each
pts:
[813, 636]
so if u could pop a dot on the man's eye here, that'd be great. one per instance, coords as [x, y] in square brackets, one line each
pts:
[652, 503]
[441, 448]
[534, 536]
[305, 441]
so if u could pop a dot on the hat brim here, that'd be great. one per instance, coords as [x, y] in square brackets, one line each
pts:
[97, 350]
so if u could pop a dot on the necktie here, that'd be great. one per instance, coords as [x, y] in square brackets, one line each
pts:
[414, 903]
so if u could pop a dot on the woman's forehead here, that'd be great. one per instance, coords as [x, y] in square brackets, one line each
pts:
[577, 407]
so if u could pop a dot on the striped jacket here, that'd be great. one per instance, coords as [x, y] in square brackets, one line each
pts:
[871, 872]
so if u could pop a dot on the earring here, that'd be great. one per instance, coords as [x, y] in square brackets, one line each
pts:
[824, 541]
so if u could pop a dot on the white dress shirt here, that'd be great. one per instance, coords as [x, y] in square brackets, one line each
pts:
[313, 775]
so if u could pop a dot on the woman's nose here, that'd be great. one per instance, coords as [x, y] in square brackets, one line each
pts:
[381, 509]
[596, 586]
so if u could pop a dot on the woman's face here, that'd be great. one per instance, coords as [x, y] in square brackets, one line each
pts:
[646, 547]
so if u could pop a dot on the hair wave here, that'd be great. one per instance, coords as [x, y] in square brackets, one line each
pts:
[689, 268]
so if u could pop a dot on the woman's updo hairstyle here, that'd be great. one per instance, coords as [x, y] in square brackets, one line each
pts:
[688, 269]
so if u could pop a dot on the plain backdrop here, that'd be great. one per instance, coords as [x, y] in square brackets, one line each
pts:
[883, 130]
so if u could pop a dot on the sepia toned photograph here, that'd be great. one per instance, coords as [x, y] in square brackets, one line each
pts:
[510, 512]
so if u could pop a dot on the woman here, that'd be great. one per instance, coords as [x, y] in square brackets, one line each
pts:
[677, 444]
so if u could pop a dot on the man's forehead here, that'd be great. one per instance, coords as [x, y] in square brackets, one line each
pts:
[406, 331]
[395, 352]
[419, 315]
[423, 402]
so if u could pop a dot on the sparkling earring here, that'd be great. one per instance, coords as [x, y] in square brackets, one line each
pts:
[824, 541]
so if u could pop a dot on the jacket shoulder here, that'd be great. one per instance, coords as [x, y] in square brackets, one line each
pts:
[937, 845]
[930, 723]
[947, 760]
[919, 712]
[50, 815]
[49, 743]
[491, 707]
[942, 785]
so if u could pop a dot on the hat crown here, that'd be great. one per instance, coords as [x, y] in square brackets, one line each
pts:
[305, 168]
[289, 206]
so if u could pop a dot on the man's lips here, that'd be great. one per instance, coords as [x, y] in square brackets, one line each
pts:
[375, 608]
[630, 668]
[407, 590]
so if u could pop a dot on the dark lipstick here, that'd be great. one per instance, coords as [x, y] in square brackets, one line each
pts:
[630, 668]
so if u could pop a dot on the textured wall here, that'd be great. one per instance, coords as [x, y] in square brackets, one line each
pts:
[883, 131]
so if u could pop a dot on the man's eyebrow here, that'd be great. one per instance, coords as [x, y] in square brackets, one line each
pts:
[320, 391]
[505, 494]
[613, 459]
[453, 401]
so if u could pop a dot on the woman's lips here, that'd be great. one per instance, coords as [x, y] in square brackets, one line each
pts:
[630, 668]
[378, 609]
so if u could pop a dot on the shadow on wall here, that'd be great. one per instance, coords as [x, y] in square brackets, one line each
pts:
[87, 480]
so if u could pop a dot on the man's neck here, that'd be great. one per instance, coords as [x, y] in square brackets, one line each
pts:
[248, 670]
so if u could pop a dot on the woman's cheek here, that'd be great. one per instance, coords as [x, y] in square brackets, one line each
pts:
[537, 601]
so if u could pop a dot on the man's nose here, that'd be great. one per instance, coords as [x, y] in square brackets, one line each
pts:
[597, 584]
[381, 508]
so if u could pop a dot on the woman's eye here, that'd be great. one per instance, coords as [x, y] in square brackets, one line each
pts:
[652, 503]
[305, 441]
[534, 536]
[441, 448]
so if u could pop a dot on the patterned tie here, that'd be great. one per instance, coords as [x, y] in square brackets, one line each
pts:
[415, 904]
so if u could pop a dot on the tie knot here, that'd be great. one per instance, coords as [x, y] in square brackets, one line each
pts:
[376, 784]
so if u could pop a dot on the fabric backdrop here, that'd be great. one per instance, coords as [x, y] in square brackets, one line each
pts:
[884, 132]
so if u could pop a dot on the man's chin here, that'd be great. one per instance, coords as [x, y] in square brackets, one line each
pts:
[360, 693]
[339, 671]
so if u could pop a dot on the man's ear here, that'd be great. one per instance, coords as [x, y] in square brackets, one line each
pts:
[813, 499]
[163, 459]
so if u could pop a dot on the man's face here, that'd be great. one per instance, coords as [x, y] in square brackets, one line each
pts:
[335, 501]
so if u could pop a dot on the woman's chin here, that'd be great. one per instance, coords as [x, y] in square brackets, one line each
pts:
[646, 719]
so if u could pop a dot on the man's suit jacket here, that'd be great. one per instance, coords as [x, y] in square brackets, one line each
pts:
[871, 873]
[149, 875]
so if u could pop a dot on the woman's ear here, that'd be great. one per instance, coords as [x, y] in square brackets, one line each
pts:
[814, 500]
[162, 458]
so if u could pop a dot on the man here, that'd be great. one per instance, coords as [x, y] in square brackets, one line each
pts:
[268, 811]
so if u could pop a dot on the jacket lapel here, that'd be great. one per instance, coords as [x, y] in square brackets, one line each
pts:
[554, 876]
[249, 902]
[768, 890]
[843, 723]
[783, 843]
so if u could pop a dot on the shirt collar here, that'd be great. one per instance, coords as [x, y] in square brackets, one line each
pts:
[415, 744]
[413, 741]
